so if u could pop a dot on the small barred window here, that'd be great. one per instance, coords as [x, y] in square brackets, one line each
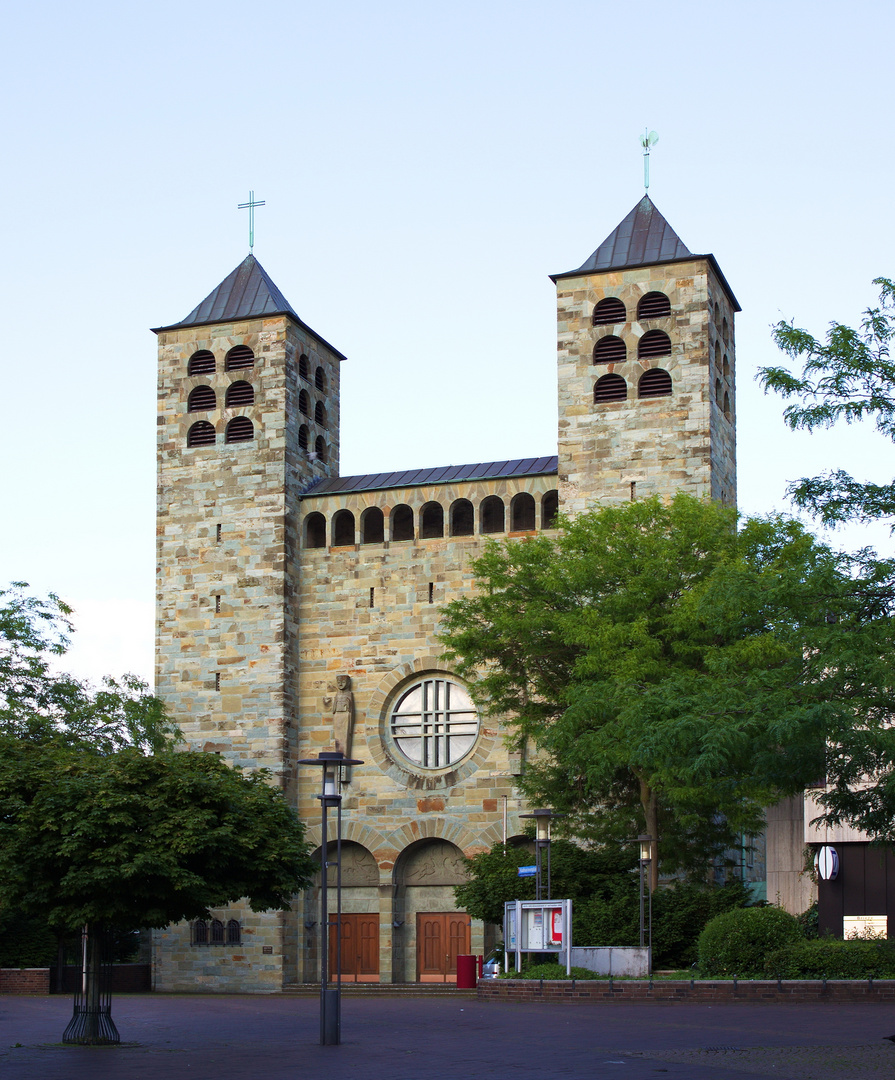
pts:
[240, 429]
[240, 356]
[201, 399]
[200, 434]
[201, 363]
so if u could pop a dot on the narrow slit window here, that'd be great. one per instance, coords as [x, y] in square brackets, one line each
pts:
[372, 595]
[217, 680]
[217, 605]
[431, 592]
[217, 533]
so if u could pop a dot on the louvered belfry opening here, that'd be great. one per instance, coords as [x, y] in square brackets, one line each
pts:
[303, 404]
[240, 429]
[610, 310]
[303, 437]
[201, 363]
[610, 388]
[320, 414]
[320, 379]
[303, 366]
[654, 343]
[654, 383]
[240, 356]
[610, 350]
[201, 399]
[240, 393]
[200, 434]
[320, 448]
[654, 305]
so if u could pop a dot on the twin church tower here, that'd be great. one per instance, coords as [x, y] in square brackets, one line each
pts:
[298, 609]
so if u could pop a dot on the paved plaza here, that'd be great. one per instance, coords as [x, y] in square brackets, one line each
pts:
[204, 1037]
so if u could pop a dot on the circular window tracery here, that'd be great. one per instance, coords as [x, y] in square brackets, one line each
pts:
[434, 723]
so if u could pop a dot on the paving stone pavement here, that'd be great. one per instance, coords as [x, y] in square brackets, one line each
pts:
[218, 1037]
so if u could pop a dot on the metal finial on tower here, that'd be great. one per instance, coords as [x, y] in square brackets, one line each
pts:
[647, 140]
[250, 206]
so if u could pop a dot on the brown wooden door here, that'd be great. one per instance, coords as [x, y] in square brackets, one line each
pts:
[360, 948]
[440, 938]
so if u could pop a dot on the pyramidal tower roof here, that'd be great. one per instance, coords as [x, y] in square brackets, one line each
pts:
[248, 292]
[643, 238]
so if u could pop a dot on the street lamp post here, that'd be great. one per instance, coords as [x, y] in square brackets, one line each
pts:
[332, 763]
[646, 858]
[542, 818]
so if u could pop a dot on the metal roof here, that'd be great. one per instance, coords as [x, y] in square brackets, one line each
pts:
[643, 238]
[247, 293]
[445, 474]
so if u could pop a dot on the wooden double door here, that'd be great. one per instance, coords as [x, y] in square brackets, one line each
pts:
[440, 938]
[360, 948]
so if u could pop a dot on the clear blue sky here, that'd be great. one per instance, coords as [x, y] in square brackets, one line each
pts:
[425, 167]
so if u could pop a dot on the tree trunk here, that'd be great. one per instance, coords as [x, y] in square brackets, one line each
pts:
[649, 800]
[92, 1024]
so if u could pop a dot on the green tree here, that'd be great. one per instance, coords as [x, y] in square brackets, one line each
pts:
[127, 839]
[665, 671]
[848, 376]
[39, 704]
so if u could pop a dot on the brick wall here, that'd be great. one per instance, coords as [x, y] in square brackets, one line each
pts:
[772, 991]
[24, 980]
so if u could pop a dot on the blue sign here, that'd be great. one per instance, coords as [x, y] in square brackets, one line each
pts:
[527, 871]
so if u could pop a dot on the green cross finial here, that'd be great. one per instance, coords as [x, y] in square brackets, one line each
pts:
[250, 206]
[647, 140]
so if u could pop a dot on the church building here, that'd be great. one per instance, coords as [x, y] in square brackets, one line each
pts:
[298, 608]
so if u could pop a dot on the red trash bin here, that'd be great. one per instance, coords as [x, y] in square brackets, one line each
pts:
[466, 973]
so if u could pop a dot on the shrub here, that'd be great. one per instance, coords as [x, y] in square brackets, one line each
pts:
[738, 942]
[553, 971]
[831, 958]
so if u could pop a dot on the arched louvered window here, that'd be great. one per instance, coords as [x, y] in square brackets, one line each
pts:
[725, 367]
[240, 394]
[201, 399]
[234, 932]
[653, 343]
[343, 528]
[610, 350]
[654, 305]
[304, 406]
[372, 526]
[240, 356]
[462, 518]
[549, 509]
[717, 316]
[200, 434]
[717, 358]
[727, 404]
[725, 331]
[400, 523]
[522, 513]
[492, 515]
[320, 414]
[303, 367]
[303, 437]
[240, 429]
[610, 388]
[201, 363]
[320, 448]
[610, 310]
[718, 391]
[200, 932]
[431, 521]
[218, 934]
[315, 530]
[654, 383]
[320, 379]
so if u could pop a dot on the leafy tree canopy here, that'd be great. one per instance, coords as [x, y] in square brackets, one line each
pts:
[666, 671]
[127, 839]
[849, 376]
[38, 704]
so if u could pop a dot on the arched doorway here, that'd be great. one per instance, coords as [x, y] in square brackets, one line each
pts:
[433, 932]
[360, 913]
